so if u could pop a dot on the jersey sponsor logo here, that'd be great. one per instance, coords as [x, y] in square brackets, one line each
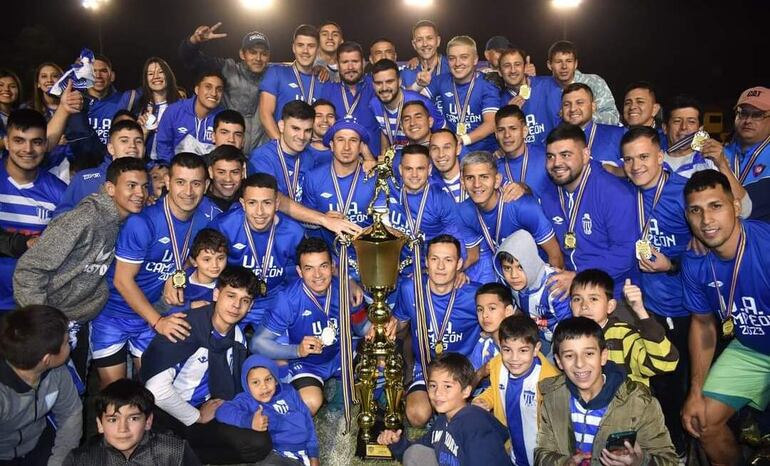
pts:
[326, 195]
[92, 176]
[716, 284]
[239, 246]
[281, 407]
[182, 130]
[587, 224]
[164, 240]
[293, 85]
[557, 220]
[449, 94]
[307, 313]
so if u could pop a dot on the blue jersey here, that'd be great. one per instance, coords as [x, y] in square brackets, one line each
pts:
[180, 121]
[535, 175]
[604, 142]
[296, 313]
[82, 184]
[751, 301]
[605, 226]
[750, 166]
[101, 111]
[409, 76]
[281, 263]
[461, 332]
[320, 194]
[521, 405]
[26, 209]
[452, 187]
[281, 82]
[687, 165]
[209, 208]
[670, 234]
[319, 156]
[295, 167]
[145, 240]
[346, 104]
[485, 98]
[195, 291]
[539, 114]
[523, 213]
[393, 116]
[543, 307]
[482, 353]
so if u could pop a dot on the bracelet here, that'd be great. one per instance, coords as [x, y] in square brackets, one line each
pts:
[466, 140]
[156, 322]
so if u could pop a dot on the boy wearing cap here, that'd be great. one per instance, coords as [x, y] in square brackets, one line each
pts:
[242, 78]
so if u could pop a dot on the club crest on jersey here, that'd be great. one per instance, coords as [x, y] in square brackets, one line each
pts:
[281, 407]
[587, 224]
[758, 169]
[529, 397]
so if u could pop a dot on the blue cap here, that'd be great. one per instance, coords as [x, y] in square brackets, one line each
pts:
[346, 123]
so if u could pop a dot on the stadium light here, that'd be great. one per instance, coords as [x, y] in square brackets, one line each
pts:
[257, 4]
[93, 4]
[565, 4]
[419, 3]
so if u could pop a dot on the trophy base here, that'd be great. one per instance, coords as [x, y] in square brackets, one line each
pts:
[373, 451]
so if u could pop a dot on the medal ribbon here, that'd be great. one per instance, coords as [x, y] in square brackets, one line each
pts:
[433, 321]
[743, 174]
[268, 250]
[291, 184]
[349, 109]
[462, 110]
[414, 225]
[684, 142]
[309, 98]
[492, 242]
[178, 260]
[352, 189]
[572, 214]
[389, 133]
[592, 135]
[644, 225]
[346, 336]
[523, 173]
[726, 309]
[327, 304]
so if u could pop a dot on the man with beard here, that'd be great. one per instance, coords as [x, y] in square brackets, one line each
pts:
[325, 117]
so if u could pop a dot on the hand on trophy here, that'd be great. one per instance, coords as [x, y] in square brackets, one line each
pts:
[310, 345]
[388, 437]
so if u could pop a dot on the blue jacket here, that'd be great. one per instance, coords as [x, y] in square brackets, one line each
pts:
[289, 421]
[84, 182]
[178, 121]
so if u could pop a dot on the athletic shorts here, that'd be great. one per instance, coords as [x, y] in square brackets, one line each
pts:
[740, 377]
[109, 336]
[319, 372]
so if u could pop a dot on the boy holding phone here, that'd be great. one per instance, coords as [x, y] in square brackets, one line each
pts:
[592, 409]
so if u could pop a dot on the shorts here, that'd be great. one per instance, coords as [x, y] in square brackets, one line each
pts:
[317, 372]
[740, 377]
[418, 380]
[109, 336]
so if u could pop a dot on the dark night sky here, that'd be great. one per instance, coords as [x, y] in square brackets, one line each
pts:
[710, 49]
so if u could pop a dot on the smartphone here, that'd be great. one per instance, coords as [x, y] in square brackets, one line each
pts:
[616, 441]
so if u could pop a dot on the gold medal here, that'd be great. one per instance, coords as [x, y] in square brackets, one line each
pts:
[728, 328]
[179, 279]
[570, 240]
[462, 129]
[439, 348]
[698, 139]
[261, 287]
[525, 91]
[643, 250]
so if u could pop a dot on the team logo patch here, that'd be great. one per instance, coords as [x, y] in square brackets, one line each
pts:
[164, 240]
[182, 130]
[716, 284]
[239, 246]
[758, 169]
[326, 195]
[529, 397]
[293, 85]
[557, 220]
[281, 407]
[587, 224]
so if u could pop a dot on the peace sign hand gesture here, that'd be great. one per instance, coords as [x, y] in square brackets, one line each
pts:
[206, 33]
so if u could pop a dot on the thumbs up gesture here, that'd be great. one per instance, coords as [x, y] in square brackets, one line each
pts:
[529, 68]
[633, 296]
[259, 421]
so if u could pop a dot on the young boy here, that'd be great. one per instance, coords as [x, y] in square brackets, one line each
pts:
[268, 404]
[519, 264]
[642, 350]
[208, 256]
[35, 383]
[493, 304]
[124, 418]
[513, 395]
[593, 400]
[461, 434]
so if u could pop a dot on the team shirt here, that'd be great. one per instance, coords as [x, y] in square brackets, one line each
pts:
[101, 111]
[500, 222]
[669, 233]
[453, 187]
[319, 156]
[585, 424]
[393, 117]
[25, 209]
[543, 307]
[181, 130]
[281, 82]
[288, 169]
[281, 264]
[209, 208]
[347, 105]
[605, 227]
[688, 164]
[528, 168]
[704, 275]
[604, 142]
[409, 76]
[750, 166]
[484, 98]
[84, 182]
[520, 395]
[545, 95]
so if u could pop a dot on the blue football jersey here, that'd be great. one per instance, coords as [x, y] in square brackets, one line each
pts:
[281, 82]
[540, 116]
[381, 113]
[528, 168]
[357, 106]
[289, 174]
[409, 76]
[604, 142]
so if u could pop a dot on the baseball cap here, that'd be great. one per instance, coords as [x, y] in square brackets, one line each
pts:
[346, 123]
[498, 43]
[254, 39]
[758, 97]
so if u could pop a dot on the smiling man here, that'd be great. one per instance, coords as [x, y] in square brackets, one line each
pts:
[330, 37]
[226, 165]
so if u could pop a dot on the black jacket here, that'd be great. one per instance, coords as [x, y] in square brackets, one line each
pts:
[155, 449]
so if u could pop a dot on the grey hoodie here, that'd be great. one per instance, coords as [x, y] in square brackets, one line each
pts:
[66, 268]
[521, 245]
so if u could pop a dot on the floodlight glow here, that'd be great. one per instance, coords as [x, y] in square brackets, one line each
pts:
[257, 4]
[418, 3]
[565, 4]
[93, 4]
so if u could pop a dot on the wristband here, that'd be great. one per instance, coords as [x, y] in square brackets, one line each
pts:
[466, 140]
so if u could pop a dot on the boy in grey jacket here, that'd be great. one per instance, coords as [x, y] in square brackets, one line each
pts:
[36, 390]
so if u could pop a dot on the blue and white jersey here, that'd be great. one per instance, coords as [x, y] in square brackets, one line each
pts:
[101, 111]
[281, 82]
[751, 303]
[539, 113]
[319, 193]
[605, 226]
[485, 98]
[25, 209]
[357, 107]
[461, 332]
[179, 122]
[82, 184]
[145, 240]
[209, 208]
[585, 424]
[195, 291]
[281, 265]
[483, 352]
[453, 187]
[409, 76]
[523, 213]
[519, 395]
[543, 306]
[379, 110]
[687, 165]
[535, 176]
[267, 159]
[670, 234]
[605, 143]
[320, 156]
[295, 313]
[750, 166]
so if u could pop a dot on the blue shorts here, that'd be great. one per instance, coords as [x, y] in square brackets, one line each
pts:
[109, 336]
[299, 369]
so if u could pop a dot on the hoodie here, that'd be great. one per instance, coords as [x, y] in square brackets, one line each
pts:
[290, 422]
[66, 267]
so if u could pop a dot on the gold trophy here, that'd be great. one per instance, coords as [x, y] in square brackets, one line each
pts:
[378, 250]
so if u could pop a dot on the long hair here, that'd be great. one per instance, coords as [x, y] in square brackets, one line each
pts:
[6, 73]
[172, 91]
[38, 100]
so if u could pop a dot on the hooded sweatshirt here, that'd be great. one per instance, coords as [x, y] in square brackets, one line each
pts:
[66, 267]
[290, 422]
[536, 298]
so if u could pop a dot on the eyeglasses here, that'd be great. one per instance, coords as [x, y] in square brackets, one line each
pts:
[749, 115]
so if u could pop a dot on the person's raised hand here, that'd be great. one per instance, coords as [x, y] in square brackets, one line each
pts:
[205, 33]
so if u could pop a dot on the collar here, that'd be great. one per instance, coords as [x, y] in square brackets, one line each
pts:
[12, 380]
